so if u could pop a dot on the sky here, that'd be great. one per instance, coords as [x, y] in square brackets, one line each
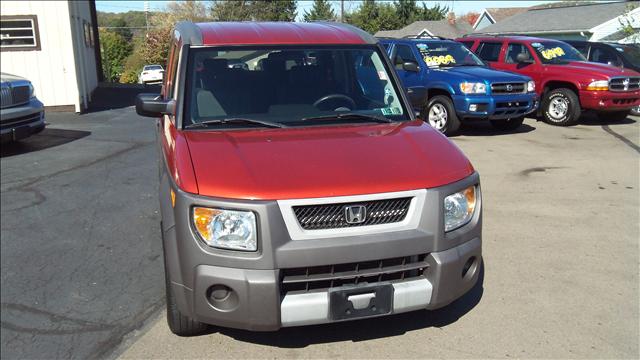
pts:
[458, 6]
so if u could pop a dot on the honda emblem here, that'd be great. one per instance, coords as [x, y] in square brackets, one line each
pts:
[355, 214]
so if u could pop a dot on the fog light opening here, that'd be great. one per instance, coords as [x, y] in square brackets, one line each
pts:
[469, 267]
[222, 298]
[473, 107]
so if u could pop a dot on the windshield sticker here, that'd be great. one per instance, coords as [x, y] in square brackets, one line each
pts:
[552, 53]
[536, 44]
[439, 60]
[391, 111]
[386, 111]
[422, 46]
[382, 75]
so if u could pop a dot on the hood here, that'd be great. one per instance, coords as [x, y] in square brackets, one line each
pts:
[310, 162]
[4, 77]
[595, 69]
[481, 74]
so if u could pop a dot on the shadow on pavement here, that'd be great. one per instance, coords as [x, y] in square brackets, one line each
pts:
[590, 119]
[485, 129]
[43, 140]
[361, 330]
[115, 96]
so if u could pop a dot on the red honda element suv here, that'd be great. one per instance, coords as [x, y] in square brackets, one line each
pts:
[297, 186]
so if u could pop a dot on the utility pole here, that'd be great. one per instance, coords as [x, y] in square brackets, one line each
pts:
[342, 11]
[146, 16]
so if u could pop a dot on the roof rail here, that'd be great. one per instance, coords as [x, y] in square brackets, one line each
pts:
[417, 37]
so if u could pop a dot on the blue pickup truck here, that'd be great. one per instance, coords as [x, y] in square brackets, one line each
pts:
[460, 86]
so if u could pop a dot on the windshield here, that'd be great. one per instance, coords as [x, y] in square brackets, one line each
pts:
[291, 86]
[556, 52]
[447, 54]
[153, 67]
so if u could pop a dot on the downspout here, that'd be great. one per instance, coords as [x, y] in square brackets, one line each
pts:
[96, 40]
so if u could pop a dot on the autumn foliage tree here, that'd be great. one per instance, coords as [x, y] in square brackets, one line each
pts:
[470, 17]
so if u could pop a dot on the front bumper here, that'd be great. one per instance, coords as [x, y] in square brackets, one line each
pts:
[22, 121]
[495, 107]
[609, 100]
[257, 298]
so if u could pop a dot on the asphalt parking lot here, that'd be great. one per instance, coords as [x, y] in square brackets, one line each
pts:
[82, 268]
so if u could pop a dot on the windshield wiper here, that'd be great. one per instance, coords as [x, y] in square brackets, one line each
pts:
[235, 121]
[350, 116]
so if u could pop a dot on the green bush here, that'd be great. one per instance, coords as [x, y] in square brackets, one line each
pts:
[129, 77]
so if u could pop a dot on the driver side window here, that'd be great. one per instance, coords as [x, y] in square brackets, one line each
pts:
[403, 55]
[512, 53]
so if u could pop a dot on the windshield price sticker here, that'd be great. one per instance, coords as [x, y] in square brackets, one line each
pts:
[552, 53]
[439, 60]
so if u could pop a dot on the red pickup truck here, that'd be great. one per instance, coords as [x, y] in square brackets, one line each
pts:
[566, 83]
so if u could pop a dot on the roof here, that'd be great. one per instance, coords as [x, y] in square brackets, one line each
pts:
[499, 14]
[236, 33]
[436, 28]
[509, 37]
[558, 19]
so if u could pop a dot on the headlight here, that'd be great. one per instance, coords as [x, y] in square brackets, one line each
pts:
[31, 91]
[459, 208]
[226, 229]
[473, 88]
[531, 86]
[600, 85]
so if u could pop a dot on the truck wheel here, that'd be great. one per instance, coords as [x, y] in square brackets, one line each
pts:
[508, 124]
[179, 323]
[609, 116]
[441, 115]
[636, 111]
[561, 107]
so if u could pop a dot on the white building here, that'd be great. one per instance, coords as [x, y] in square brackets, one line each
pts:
[55, 45]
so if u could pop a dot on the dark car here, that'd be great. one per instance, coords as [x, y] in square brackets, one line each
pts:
[620, 55]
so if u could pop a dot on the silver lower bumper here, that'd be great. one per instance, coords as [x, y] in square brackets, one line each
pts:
[313, 308]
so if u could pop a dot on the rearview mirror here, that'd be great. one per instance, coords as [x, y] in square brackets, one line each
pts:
[152, 105]
[410, 66]
[524, 58]
[418, 96]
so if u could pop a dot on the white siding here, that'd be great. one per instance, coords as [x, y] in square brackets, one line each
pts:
[61, 75]
[605, 29]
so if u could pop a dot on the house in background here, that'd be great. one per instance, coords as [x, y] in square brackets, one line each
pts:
[55, 45]
[490, 16]
[589, 21]
[449, 28]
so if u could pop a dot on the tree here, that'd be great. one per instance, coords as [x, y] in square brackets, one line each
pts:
[470, 17]
[190, 10]
[435, 12]
[231, 10]
[321, 10]
[275, 10]
[406, 11]
[114, 49]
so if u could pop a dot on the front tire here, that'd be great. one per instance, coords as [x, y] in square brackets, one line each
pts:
[441, 115]
[613, 116]
[561, 107]
[508, 124]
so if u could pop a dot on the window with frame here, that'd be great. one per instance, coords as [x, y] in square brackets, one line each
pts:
[489, 51]
[19, 32]
[403, 55]
[514, 50]
[87, 33]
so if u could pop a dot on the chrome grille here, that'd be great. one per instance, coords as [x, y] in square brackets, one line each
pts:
[5, 96]
[508, 88]
[624, 84]
[332, 216]
[328, 276]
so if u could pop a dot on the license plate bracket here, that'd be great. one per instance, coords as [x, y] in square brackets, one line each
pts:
[360, 301]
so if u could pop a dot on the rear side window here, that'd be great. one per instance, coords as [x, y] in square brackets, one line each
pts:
[489, 51]
[403, 55]
[512, 53]
[583, 48]
[605, 56]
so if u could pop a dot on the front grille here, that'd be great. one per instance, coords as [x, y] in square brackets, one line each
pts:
[328, 276]
[20, 94]
[624, 84]
[508, 88]
[332, 216]
[5, 97]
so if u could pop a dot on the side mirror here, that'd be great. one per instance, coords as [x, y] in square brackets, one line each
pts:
[523, 58]
[418, 96]
[410, 66]
[152, 105]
